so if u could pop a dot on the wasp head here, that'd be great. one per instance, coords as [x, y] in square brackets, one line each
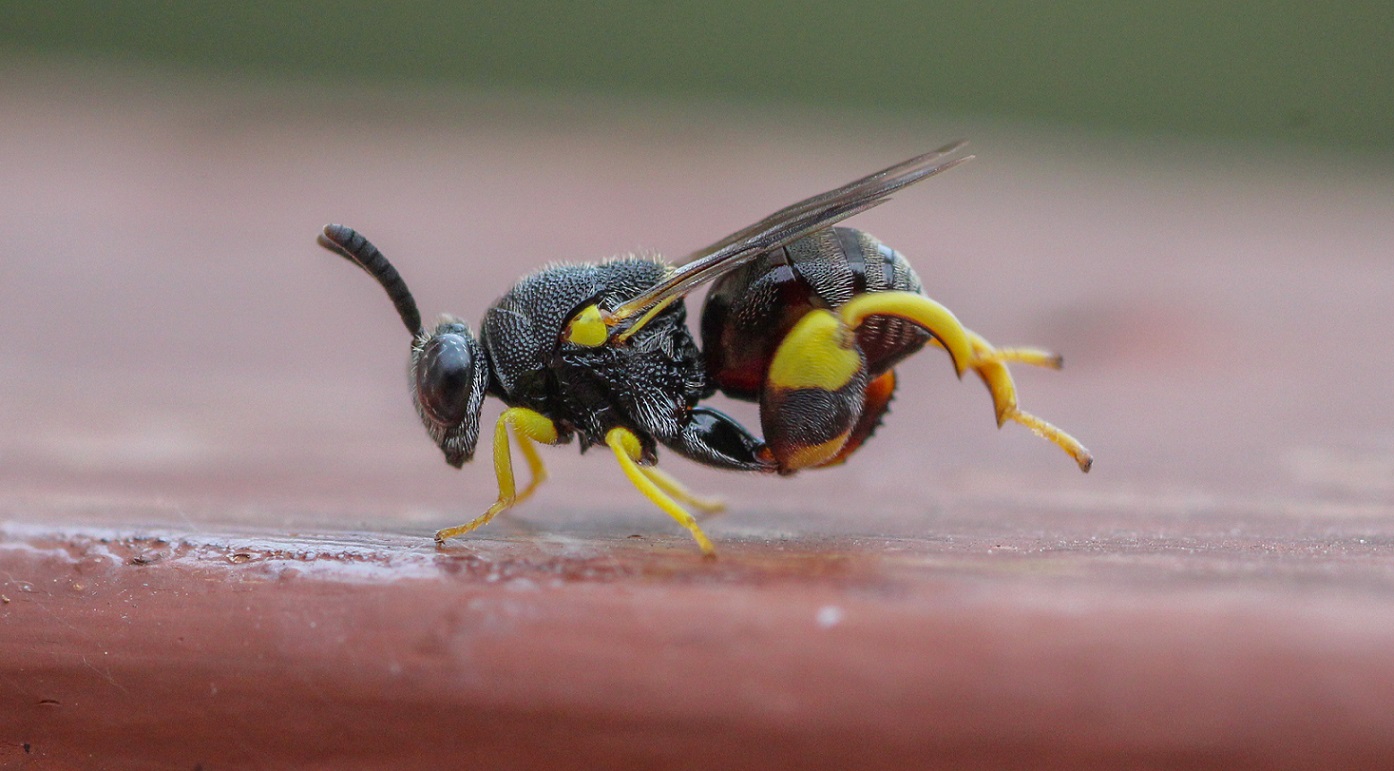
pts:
[448, 373]
[448, 378]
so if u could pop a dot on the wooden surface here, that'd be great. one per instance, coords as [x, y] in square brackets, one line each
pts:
[217, 503]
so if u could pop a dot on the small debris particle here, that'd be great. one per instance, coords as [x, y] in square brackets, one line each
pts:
[239, 557]
[147, 558]
[829, 616]
[28, 748]
[4, 600]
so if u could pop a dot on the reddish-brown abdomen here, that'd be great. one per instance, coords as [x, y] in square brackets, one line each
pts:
[750, 310]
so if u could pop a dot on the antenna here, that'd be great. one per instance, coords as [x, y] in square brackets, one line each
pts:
[349, 244]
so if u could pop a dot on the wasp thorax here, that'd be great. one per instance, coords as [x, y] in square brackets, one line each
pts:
[449, 377]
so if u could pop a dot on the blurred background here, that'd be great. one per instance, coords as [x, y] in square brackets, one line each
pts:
[1300, 72]
[1193, 202]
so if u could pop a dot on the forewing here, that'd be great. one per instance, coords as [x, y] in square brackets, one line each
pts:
[786, 226]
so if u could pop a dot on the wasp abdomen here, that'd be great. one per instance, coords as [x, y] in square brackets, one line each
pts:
[749, 312]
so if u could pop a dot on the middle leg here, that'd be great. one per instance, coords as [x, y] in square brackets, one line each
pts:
[628, 451]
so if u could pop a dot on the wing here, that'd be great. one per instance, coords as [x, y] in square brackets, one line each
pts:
[783, 227]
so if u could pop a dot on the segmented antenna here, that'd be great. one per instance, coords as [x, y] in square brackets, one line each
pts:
[352, 246]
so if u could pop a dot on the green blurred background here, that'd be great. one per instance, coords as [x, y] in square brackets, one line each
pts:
[1311, 73]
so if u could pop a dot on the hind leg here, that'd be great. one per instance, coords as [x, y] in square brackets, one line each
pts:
[969, 350]
[990, 364]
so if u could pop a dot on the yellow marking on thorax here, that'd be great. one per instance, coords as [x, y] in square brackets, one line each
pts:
[588, 328]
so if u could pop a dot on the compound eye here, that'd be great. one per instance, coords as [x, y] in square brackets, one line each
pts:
[444, 377]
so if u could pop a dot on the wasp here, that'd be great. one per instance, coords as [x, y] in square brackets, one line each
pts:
[805, 318]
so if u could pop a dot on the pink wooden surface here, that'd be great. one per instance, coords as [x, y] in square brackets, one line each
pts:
[217, 504]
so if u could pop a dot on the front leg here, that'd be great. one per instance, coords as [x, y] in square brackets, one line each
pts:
[528, 426]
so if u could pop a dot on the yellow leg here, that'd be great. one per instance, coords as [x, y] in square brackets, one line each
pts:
[534, 461]
[528, 426]
[678, 490]
[933, 317]
[1033, 356]
[627, 451]
[970, 351]
[990, 365]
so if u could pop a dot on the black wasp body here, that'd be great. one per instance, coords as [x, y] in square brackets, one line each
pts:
[805, 318]
[650, 386]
